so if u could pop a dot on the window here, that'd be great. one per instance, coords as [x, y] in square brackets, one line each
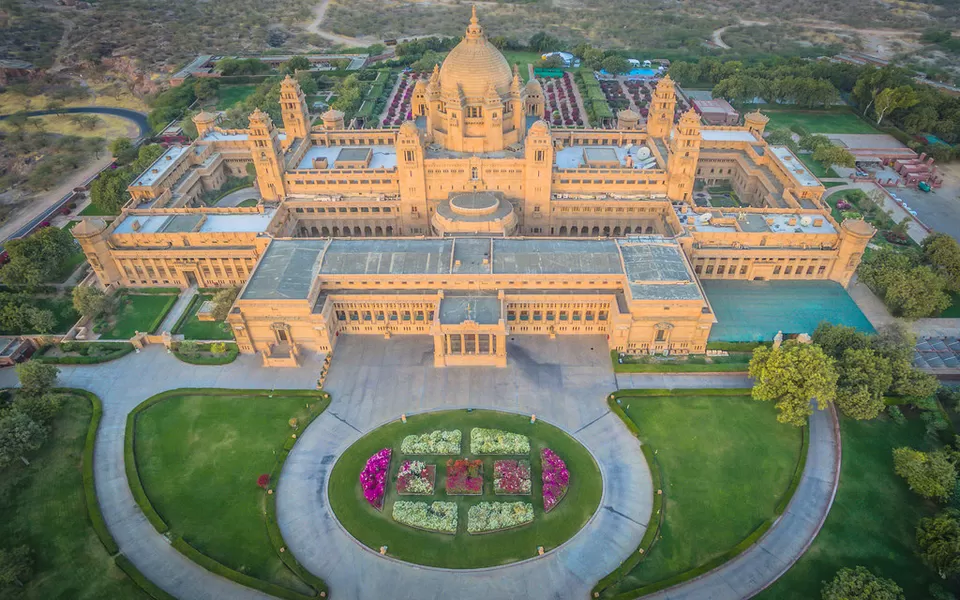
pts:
[474, 173]
[709, 269]
[721, 269]
[821, 270]
[563, 315]
[537, 315]
[661, 335]
[539, 155]
[788, 270]
[776, 270]
[743, 270]
[409, 155]
[354, 315]
[524, 315]
[576, 315]
[550, 315]
[511, 315]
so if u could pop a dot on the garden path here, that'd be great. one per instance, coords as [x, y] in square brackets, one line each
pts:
[563, 382]
[178, 308]
[372, 381]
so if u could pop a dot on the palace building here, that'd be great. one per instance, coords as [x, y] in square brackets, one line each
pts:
[474, 221]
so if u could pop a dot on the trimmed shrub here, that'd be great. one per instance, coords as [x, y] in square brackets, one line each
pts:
[149, 587]
[232, 351]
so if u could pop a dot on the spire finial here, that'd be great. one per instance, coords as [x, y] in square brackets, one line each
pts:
[474, 31]
[473, 18]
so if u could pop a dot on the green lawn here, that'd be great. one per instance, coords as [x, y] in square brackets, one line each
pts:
[62, 308]
[43, 507]
[725, 462]
[199, 458]
[820, 121]
[247, 203]
[68, 266]
[523, 58]
[228, 95]
[137, 312]
[873, 520]
[374, 528]
[195, 329]
[93, 210]
[816, 167]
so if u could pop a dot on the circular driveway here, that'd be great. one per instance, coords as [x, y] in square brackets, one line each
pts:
[376, 382]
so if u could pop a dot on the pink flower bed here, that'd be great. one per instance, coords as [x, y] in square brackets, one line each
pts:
[464, 477]
[560, 103]
[373, 477]
[399, 109]
[556, 479]
[511, 477]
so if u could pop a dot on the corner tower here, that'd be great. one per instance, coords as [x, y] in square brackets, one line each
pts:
[267, 155]
[293, 107]
[662, 107]
[684, 154]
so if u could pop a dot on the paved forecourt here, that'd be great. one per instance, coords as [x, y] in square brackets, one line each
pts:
[373, 381]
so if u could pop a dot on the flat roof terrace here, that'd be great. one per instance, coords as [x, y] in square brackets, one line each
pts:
[286, 270]
[580, 157]
[760, 222]
[381, 157]
[196, 223]
[793, 165]
[160, 166]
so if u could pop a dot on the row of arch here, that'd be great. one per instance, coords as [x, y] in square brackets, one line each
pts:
[587, 231]
[346, 231]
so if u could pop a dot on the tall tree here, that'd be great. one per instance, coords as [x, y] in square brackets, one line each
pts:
[939, 541]
[860, 584]
[864, 377]
[943, 254]
[19, 435]
[794, 375]
[36, 377]
[892, 99]
[929, 474]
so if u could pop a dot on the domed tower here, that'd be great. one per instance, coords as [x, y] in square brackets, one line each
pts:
[756, 122]
[332, 120]
[662, 106]
[92, 237]
[854, 235]
[474, 102]
[628, 119]
[534, 103]
[205, 122]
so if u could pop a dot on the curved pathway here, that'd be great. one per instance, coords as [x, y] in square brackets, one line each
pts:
[561, 382]
[124, 113]
[396, 375]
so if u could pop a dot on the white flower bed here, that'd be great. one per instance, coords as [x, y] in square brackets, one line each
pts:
[493, 516]
[495, 441]
[435, 442]
[437, 516]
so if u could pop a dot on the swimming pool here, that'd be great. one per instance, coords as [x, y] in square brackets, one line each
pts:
[638, 73]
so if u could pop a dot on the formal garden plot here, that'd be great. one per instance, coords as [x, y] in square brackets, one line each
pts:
[402, 504]
[556, 478]
[561, 102]
[416, 478]
[512, 478]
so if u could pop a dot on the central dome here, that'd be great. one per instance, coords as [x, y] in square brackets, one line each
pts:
[474, 64]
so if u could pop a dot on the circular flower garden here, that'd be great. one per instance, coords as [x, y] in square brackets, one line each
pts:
[465, 489]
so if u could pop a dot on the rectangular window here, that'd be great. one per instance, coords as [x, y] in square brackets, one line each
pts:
[511, 315]
[789, 270]
[550, 315]
[563, 315]
[776, 270]
[821, 270]
[524, 315]
[743, 270]
[661, 335]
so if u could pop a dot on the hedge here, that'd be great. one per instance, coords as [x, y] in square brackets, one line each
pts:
[197, 298]
[162, 314]
[120, 349]
[273, 529]
[633, 560]
[657, 513]
[89, 487]
[680, 392]
[736, 346]
[149, 587]
[213, 566]
[231, 355]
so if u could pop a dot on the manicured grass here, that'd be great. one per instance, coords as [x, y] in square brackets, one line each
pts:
[820, 121]
[873, 520]
[816, 167]
[375, 529]
[228, 95]
[830, 184]
[195, 329]
[726, 463]
[136, 312]
[693, 364]
[43, 507]
[953, 311]
[249, 202]
[199, 456]
[92, 210]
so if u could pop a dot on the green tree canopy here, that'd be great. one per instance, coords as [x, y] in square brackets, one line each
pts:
[90, 301]
[794, 375]
[864, 377]
[16, 565]
[19, 435]
[38, 257]
[297, 63]
[616, 65]
[860, 584]
[943, 254]
[222, 301]
[834, 156]
[939, 541]
[36, 378]
[929, 474]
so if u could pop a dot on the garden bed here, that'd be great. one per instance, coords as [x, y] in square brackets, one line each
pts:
[495, 441]
[555, 479]
[82, 353]
[464, 477]
[410, 479]
[494, 517]
[512, 478]
[438, 517]
[433, 443]
[217, 353]
[135, 311]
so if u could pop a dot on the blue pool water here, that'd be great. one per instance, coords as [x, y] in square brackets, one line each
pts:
[638, 73]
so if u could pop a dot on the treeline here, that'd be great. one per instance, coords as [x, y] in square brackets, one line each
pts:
[108, 192]
[888, 95]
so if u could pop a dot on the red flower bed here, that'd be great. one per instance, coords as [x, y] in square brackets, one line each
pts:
[511, 477]
[464, 477]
